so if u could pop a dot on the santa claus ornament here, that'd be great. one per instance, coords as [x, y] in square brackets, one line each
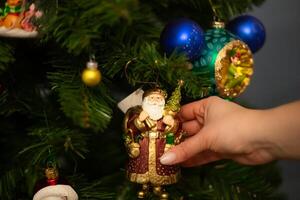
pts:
[17, 19]
[150, 130]
[54, 188]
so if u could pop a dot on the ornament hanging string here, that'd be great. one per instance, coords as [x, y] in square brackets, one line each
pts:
[51, 158]
[137, 81]
[92, 57]
[213, 8]
[51, 162]
[85, 117]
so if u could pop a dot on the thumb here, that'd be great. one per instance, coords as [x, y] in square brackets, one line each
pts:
[187, 149]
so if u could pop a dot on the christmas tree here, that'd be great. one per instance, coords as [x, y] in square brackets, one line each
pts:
[59, 91]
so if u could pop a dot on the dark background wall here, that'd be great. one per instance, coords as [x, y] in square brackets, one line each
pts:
[276, 79]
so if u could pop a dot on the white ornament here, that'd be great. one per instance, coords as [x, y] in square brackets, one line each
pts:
[17, 33]
[56, 192]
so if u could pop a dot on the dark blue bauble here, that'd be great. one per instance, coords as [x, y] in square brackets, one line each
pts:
[183, 36]
[250, 30]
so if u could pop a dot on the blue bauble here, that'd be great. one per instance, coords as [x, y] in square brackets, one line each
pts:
[183, 35]
[250, 30]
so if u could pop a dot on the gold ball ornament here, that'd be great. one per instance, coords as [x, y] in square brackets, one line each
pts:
[91, 76]
[164, 196]
[157, 190]
[141, 194]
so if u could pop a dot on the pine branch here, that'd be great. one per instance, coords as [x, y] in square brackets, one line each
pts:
[225, 9]
[124, 35]
[222, 180]
[53, 142]
[95, 190]
[78, 23]
[147, 65]
[3, 102]
[9, 181]
[87, 107]
[6, 52]
[10, 105]
[228, 180]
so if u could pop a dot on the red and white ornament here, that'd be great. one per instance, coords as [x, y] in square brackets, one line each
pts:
[54, 188]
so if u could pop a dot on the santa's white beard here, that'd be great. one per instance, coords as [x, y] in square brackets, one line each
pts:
[154, 111]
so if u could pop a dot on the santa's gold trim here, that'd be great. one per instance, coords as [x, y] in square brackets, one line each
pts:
[179, 139]
[151, 176]
[152, 159]
[173, 128]
[133, 110]
[168, 147]
[157, 180]
[152, 124]
[244, 69]
[169, 112]
[139, 124]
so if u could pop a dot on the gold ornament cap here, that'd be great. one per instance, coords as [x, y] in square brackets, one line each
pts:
[218, 24]
[92, 64]
[51, 173]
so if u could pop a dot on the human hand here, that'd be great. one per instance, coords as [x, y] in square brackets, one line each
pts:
[219, 129]
[143, 116]
[169, 120]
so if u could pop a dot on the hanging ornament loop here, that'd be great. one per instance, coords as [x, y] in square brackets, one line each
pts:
[92, 64]
[155, 84]
[215, 14]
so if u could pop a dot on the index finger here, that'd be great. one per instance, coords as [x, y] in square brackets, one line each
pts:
[192, 110]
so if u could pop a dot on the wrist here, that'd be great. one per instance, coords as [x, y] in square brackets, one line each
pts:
[263, 134]
[283, 129]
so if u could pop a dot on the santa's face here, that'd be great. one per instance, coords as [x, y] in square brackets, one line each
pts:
[154, 105]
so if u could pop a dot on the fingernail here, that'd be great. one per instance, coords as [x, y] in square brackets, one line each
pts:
[168, 158]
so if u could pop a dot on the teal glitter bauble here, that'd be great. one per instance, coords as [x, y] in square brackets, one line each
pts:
[215, 40]
[227, 60]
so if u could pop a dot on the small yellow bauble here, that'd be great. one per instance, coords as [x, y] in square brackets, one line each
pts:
[91, 77]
